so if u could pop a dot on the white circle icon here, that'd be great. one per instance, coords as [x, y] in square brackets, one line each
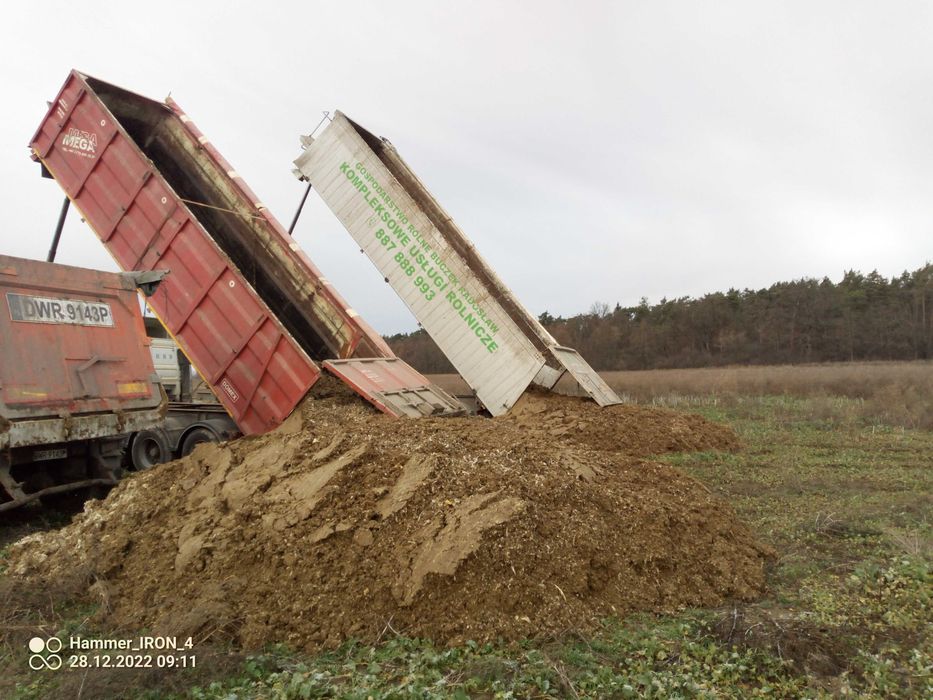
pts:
[53, 645]
[36, 645]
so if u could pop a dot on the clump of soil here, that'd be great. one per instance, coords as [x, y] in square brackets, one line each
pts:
[347, 523]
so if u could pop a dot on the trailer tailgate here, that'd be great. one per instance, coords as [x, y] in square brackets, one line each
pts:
[395, 387]
[586, 376]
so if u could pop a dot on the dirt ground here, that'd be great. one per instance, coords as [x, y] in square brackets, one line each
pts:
[347, 523]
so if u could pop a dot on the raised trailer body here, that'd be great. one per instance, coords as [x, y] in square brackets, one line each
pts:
[246, 306]
[495, 344]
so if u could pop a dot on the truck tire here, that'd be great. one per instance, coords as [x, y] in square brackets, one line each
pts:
[195, 438]
[149, 449]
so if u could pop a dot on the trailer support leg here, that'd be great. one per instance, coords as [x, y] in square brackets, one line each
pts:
[58, 230]
[300, 207]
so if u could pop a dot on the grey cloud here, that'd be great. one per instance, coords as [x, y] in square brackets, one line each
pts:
[593, 150]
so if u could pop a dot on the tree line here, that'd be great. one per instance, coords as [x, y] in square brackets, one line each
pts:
[861, 317]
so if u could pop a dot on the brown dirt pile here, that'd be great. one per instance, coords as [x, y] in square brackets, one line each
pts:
[345, 523]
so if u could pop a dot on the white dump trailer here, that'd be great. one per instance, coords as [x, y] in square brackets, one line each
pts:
[495, 344]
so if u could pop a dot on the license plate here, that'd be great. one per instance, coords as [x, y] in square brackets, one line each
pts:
[75, 312]
[55, 453]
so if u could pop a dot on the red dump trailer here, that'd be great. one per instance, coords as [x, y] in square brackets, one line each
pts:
[253, 314]
[76, 378]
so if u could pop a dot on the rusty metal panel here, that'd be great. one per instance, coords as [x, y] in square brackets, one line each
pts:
[50, 430]
[438, 282]
[395, 387]
[72, 343]
[212, 308]
[586, 376]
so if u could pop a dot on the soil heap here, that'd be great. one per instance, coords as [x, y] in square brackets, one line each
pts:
[347, 523]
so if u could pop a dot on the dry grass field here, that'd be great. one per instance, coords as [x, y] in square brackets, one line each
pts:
[861, 380]
[889, 393]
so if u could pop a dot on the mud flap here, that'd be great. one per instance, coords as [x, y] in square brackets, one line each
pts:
[395, 387]
[586, 376]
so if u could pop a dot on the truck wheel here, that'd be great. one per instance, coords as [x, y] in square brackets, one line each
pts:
[149, 449]
[195, 438]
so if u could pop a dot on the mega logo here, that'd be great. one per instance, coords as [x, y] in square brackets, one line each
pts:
[82, 143]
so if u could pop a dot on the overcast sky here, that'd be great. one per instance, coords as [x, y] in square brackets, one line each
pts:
[593, 151]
